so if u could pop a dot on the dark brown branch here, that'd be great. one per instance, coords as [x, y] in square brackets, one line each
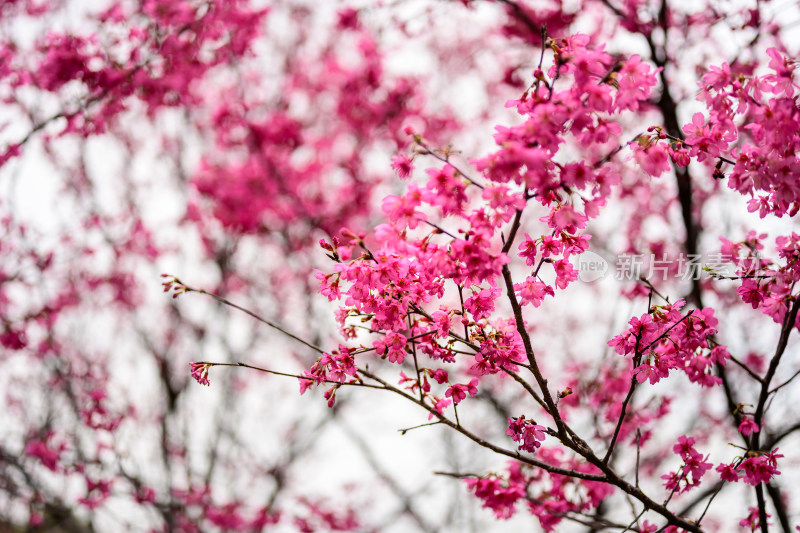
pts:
[789, 321]
[550, 405]
[482, 442]
[623, 412]
[776, 497]
[788, 324]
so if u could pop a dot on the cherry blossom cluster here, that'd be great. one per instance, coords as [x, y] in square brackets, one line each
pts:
[549, 497]
[393, 277]
[756, 119]
[665, 340]
[691, 471]
[500, 494]
[751, 521]
[336, 367]
[527, 433]
[766, 284]
[755, 468]
[256, 183]
[152, 52]
[450, 238]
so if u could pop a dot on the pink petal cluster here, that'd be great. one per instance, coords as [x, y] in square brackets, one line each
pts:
[665, 340]
[693, 469]
[527, 433]
[757, 467]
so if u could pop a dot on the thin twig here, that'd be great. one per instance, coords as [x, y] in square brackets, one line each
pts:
[182, 287]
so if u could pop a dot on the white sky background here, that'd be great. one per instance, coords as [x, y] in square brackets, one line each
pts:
[32, 187]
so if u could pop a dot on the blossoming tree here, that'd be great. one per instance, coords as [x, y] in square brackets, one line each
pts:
[593, 299]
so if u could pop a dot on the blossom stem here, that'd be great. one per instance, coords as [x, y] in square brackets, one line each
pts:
[227, 302]
[525, 385]
[289, 375]
[753, 374]
[446, 160]
[406, 430]
[416, 364]
[440, 229]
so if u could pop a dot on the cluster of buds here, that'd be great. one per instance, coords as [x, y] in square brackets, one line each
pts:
[172, 283]
[527, 433]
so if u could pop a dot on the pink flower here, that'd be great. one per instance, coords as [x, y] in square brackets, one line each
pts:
[500, 495]
[748, 426]
[442, 321]
[459, 392]
[439, 405]
[527, 249]
[440, 376]
[527, 433]
[751, 521]
[694, 467]
[532, 291]
[328, 285]
[565, 273]
[200, 372]
[445, 188]
[761, 204]
[680, 155]
[574, 244]
[501, 198]
[565, 218]
[392, 346]
[550, 246]
[646, 372]
[728, 472]
[339, 364]
[750, 292]
[718, 77]
[403, 165]
[401, 210]
[635, 81]
[315, 377]
[760, 468]
[782, 79]
[481, 304]
[685, 446]
[697, 466]
[648, 527]
[653, 159]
